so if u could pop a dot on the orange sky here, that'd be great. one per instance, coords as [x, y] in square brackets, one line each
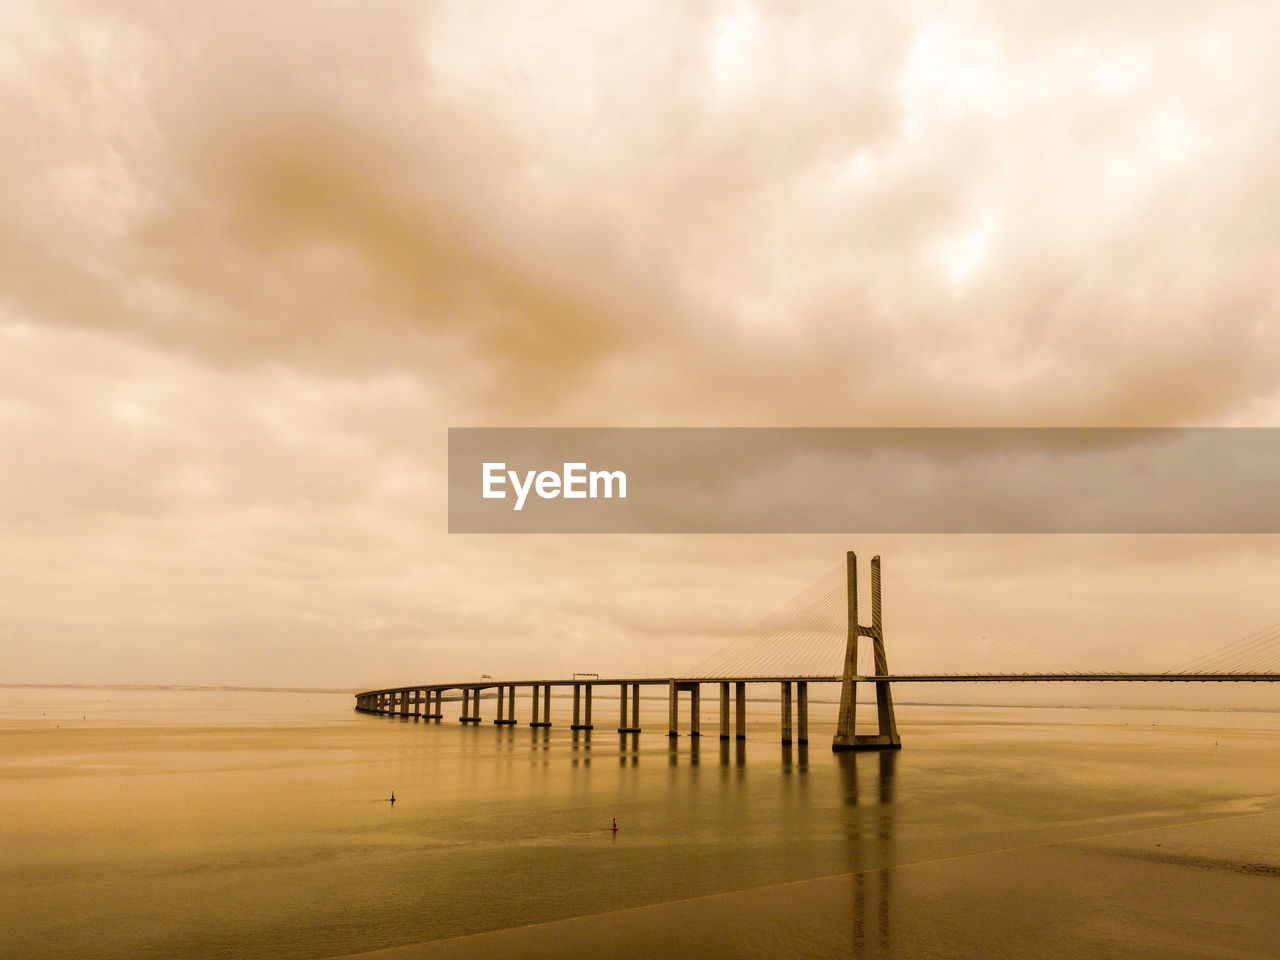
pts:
[256, 259]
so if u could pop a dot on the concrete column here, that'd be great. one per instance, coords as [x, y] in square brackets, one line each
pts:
[507, 715]
[581, 706]
[673, 709]
[695, 710]
[846, 722]
[466, 702]
[741, 692]
[546, 706]
[622, 701]
[802, 710]
[635, 708]
[786, 711]
[887, 723]
[724, 710]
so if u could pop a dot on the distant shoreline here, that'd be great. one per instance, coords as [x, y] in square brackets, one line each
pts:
[228, 688]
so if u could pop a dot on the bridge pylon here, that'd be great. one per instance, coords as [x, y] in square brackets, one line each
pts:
[887, 737]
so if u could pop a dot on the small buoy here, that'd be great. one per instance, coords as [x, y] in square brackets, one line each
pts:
[393, 796]
[615, 824]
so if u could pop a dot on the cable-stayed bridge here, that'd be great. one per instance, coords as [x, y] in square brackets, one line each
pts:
[817, 637]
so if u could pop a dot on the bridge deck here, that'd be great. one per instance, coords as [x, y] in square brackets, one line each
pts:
[825, 678]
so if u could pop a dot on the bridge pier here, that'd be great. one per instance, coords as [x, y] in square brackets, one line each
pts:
[846, 737]
[673, 709]
[674, 687]
[802, 711]
[438, 712]
[740, 693]
[506, 707]
[509, 720]
[634, 725]
[786, 711]
[578, 722]
[546, 706]
[724, 710]
[474, 715]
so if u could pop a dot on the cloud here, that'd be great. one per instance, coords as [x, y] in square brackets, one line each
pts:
[255, 260]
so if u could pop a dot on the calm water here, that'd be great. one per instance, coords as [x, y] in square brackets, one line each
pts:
[234, 824]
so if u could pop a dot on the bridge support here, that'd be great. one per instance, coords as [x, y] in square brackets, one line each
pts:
[802, 711]
[546, 706]
[724, 710]
[507, 717]
[475, 706]
[886, 737]
[673, 709]
[740, 692]
[581, 698]
[674, 689]
[786, 711]
[634, 725]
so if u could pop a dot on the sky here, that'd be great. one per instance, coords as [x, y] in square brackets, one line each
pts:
[255, 260]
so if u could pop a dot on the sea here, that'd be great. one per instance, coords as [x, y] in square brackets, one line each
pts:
[180, 823]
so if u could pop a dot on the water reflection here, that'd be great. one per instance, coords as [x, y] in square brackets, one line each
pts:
[628, 749]
[795, 757]
[870, 802]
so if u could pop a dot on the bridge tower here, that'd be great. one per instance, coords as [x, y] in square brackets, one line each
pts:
[887, 737]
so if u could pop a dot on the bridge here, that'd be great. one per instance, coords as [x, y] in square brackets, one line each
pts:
[426, 701]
